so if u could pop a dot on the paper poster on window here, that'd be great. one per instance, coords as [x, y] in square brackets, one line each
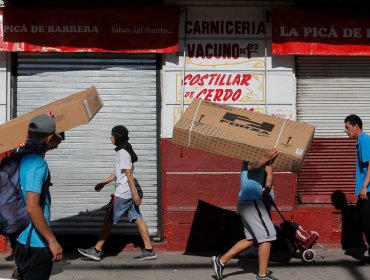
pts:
[221, 87]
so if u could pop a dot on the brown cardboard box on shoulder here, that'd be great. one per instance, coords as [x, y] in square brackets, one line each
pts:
[69, 112]
[243, 134]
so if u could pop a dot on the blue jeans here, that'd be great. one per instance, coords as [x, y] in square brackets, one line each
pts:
[118, 207]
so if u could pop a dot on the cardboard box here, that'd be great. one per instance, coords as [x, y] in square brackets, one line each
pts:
[243, 134]
[69, 112]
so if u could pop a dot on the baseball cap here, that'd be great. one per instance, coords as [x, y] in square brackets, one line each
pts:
[43, 124]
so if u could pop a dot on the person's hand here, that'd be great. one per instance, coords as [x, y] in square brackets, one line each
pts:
[99, 186]
[266, 194]
[271, 153]
[136, 198]
[363, 193]
[56, 250]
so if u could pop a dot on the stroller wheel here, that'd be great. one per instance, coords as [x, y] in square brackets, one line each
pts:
[308, 255]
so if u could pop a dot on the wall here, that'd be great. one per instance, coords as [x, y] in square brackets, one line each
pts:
[3, 88]
[225, 56]
[200, 191]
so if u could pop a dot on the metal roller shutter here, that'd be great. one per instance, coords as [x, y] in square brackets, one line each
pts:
[128, 87]
[329, 89]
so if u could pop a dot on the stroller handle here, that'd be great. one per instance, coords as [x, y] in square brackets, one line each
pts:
[271, 200]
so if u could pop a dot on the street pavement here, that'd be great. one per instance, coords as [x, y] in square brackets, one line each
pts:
[328, 264]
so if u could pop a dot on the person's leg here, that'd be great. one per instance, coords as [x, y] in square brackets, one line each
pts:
[135, 216]
[264, 231]
[104, 234]
[143, 229]
[365, 221]
[239, 247]
[219, 262]
[95, 252]
[33, 263]
[362, 212]
[264, 250]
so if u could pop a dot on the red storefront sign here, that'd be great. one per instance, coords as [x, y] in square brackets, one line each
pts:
[126, 30]
[311, 32]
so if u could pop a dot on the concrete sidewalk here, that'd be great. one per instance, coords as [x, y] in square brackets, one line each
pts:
[329, 264]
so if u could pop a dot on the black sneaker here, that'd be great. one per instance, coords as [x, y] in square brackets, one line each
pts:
[218, 267]
[268, 276]
[91, 253]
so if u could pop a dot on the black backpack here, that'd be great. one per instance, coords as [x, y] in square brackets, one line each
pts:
[13, 214]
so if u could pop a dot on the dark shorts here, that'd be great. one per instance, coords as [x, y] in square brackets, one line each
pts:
[119, 207]
[33, 263]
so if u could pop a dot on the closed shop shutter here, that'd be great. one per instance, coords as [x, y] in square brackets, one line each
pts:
[329, 89]
[128, 87]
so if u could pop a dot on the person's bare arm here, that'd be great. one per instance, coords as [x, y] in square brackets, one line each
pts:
[255, 164]
[131, 182]
[38, 220]
[269, 176]
[363, 192]
[107, 180]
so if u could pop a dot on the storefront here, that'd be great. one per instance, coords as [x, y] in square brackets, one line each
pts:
[224, 56]
[314, 70]
[332, 69]
[242, 55]
[119, 52]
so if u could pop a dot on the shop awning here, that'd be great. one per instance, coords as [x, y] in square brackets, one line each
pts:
[312, 32]
[125, 29]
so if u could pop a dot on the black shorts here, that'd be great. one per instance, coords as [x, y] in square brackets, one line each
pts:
[33, 263]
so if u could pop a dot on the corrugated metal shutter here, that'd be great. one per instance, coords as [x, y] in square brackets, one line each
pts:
[329, 89]
[128, 87]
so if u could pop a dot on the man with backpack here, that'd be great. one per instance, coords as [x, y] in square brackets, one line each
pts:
[36, 246]
[54, 143]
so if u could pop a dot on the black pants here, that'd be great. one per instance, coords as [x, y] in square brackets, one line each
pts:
[33, 263]
[363, 209]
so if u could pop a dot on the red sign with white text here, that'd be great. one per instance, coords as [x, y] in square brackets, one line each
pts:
[320, 32]
[125, 30]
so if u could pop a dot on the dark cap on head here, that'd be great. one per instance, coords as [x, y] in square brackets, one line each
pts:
[42, 124]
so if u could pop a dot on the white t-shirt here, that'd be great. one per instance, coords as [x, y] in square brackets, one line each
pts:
[123, 161]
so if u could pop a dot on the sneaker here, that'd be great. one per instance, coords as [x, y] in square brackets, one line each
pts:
[146, 255]
[15, 274]
[218, 267]
[268, 276]
[91, 253]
